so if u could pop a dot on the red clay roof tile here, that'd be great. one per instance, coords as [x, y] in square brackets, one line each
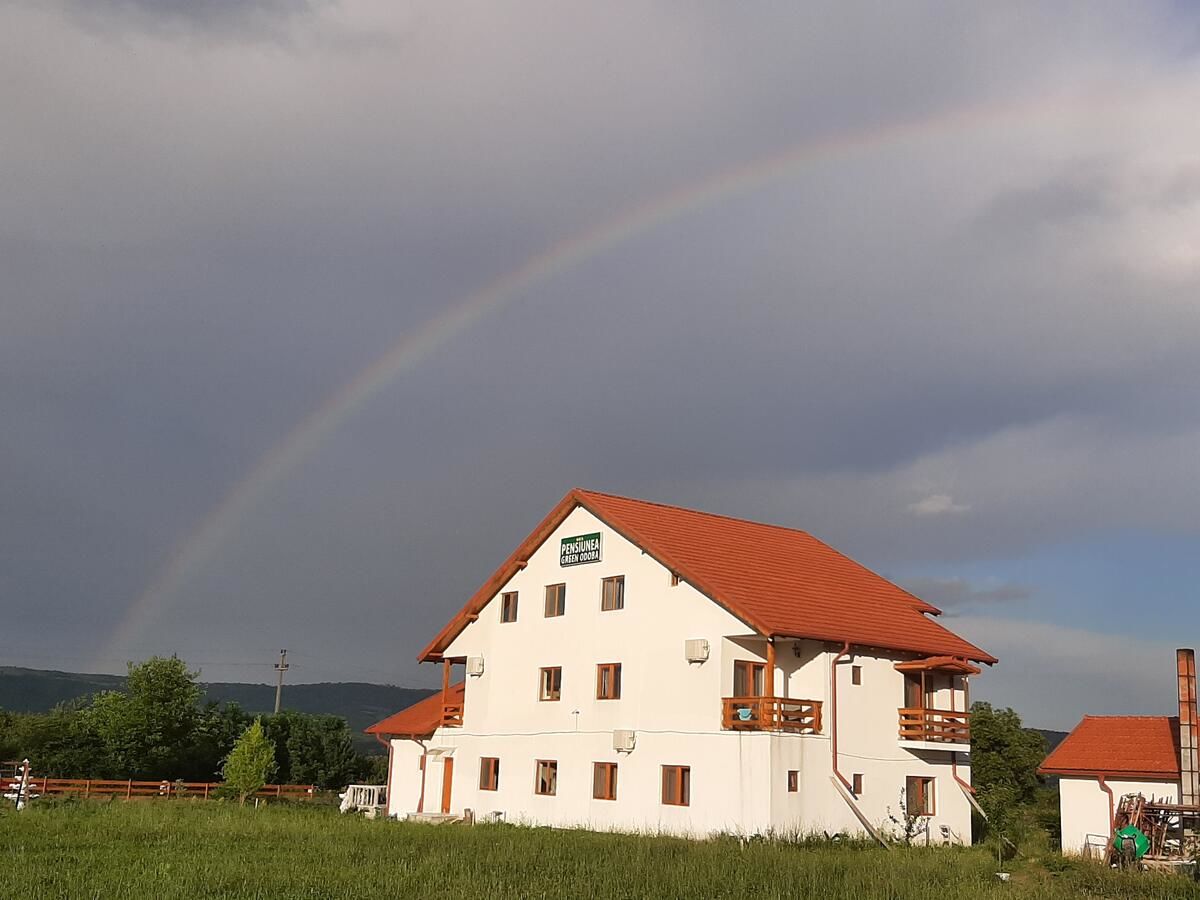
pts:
[1118, 746]
[780, 581]
[419, 719]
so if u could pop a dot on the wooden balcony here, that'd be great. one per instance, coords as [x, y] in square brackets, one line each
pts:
[771, 714]
[939, 726]
[452, 715]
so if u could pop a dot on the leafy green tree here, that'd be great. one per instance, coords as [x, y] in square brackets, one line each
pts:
[148, 729]
[314, 749]
[251, 762]
[1004, 761]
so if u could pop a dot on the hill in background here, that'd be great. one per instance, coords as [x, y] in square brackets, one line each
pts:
[359, 703]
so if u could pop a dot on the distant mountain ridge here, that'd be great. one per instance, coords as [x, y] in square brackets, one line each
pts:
[359, 703]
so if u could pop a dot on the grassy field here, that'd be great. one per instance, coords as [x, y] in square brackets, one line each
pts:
[194, 849]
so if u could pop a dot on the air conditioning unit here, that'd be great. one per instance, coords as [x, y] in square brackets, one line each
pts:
[474, 665]
[696, 650]
[624, 740]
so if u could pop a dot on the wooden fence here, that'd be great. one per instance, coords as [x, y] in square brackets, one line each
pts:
[202, 790]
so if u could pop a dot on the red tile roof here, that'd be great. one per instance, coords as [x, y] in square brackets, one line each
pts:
[778, 580]
[1119, 746]
[419, 719]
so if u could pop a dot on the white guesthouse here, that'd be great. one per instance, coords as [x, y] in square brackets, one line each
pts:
[637, 666]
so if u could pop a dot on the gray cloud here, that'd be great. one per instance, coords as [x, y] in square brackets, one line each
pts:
[976, 283]
[952, 595]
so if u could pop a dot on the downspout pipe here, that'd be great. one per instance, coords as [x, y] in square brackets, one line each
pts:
[833, 716]
[1111, 809]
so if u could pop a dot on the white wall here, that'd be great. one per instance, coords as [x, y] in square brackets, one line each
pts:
[739, 779]
[404, 777]
[1084, 806]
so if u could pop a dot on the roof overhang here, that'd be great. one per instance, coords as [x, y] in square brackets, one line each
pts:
[952, 664]
[1115, 775]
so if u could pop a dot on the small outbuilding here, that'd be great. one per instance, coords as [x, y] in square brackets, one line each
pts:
[1106, 758]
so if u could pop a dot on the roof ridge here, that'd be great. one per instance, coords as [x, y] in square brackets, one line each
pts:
[697, 512]
[1119, 716]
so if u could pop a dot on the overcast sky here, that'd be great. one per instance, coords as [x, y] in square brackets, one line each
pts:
[921, 279]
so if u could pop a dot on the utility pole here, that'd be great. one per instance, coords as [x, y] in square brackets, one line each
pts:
[280, 667]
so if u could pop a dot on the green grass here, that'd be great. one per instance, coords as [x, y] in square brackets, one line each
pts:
[194, 849]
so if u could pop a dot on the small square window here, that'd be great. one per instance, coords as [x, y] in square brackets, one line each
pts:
[489, 773]
[556, 600]
[918, 796]
[546, 779]
[676, 785]
[856, 674]
[793, 781]
[856, 784]
[612, 593]
[608, 681]
[550, 683]
[508, 607]
[604, 781]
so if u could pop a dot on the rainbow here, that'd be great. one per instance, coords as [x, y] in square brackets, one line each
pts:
[210, 533]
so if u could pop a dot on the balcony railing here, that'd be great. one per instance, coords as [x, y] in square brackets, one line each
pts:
[771, 714]
[452, 715]
[941, 726]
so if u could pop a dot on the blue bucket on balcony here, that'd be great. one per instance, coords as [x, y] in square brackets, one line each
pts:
[744, 713]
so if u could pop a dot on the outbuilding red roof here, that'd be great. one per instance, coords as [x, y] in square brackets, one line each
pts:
[1119, 746]
[780, 581]
[420, 719]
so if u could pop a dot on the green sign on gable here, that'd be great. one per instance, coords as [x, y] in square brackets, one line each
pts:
[583, 548]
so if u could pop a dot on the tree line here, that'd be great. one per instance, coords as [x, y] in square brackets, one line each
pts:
[157, 728]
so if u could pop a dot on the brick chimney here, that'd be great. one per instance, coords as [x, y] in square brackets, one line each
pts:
[1189, 735]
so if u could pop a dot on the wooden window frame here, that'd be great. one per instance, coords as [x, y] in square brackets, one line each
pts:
[556, 600]
[856, 674]
[547, 691]
[604, 781]
[926, 795]
[505, 599]
[552, 765]
[618, 593]
[793, 781]
[489, 773]
[680, 779]
[751, 667]
[613, 671]
[856, 783]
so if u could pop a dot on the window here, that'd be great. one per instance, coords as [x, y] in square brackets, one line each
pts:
[604, 781]
[856, 784]
[489, 773]
[608, 681]
[856, 674]
[508, 607]
[677, 785]
[918, 796]
[793, 781]
[612, 593]
[556, 600]
[546, 782]
[748, 678]
[550, 684]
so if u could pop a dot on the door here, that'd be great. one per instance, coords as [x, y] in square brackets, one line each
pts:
[748, 678]
[447, 780]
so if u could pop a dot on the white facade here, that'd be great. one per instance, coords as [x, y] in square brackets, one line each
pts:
[1086, 813]
[739, 780]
